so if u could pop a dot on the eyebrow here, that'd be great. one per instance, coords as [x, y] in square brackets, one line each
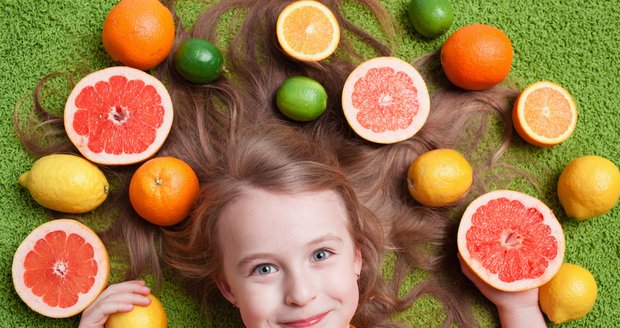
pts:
[329, 237]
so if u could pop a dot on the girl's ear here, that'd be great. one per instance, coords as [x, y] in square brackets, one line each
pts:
[224, 288]
[358, 261]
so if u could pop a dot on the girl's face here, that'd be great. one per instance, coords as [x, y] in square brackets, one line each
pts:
[289, 260]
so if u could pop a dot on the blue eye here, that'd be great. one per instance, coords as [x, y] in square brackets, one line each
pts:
[264, 269]
[321, 255]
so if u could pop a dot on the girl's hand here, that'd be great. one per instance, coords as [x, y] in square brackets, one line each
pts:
[516, 309]
[119, 297]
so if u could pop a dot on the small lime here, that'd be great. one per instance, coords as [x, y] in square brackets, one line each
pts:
[301, 98]
[198, 61]
[431, 18]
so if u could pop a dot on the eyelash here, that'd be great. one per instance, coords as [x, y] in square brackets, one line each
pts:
[327, 251]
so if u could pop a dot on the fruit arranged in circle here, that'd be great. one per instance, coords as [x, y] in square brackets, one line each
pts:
[431, 18]
[150, 316]
[477, 57]
[60, 268]
[439, 177]
[118, 115]
[198, 61]
[138, 33]
[569, 295]
[163, 190]
[589, 186]
[511, 240]
[385, 100]
[66, 183]
[544, 114]
[301, 98]
[308, 31]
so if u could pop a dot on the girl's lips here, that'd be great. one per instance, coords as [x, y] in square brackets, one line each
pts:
[307, 322]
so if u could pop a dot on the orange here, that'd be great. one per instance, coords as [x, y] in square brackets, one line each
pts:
[138, 33]
[477, 57]
[308, 31]
[544, 114]
[163, 190]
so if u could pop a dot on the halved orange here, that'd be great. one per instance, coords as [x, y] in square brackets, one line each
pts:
[308, 31]
[544, 114]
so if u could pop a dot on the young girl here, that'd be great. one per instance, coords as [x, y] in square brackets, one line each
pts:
[294, 220]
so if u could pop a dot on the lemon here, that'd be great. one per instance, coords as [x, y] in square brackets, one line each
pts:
[150, 316]
[301, 98]
[589, 186]
[439, 177]
[569, 295]
[66, 183]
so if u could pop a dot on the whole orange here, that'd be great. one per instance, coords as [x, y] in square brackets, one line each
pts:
[163, 190]
[138, 33]
[477, 57]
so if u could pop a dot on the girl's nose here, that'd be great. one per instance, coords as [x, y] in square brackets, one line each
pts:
[300, 290]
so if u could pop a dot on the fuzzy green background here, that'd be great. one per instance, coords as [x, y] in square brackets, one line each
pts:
[574, 43]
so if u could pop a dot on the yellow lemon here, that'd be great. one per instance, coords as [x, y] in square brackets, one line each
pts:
[439, 177]
[66, 183]
[569, 295]
[150, 316]
[589, 186]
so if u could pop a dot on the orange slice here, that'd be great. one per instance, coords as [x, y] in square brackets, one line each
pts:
[308, 31]
[544, 114]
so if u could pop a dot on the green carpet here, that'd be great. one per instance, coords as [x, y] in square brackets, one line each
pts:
[572, 42]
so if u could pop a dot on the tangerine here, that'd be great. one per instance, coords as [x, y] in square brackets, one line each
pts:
[138, 33]
[163, 190]
[477, 57]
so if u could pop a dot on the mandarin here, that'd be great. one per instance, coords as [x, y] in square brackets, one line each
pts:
[477, 57]
[163, 190]
[138, 33]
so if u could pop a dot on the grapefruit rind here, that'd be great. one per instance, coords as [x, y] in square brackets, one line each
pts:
[289, 49]
[35, 302]
[81, 141]
[493, 279]
[520, 122]
[388, 136]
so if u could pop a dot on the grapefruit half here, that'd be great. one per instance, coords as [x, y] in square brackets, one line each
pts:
[60, 268]
[511, 240]
[385, 100]
[118, 115]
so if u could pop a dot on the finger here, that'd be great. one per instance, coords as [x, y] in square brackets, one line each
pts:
[128, 298]
[132, 286]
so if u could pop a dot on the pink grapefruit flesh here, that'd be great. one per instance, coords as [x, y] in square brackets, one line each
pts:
[385, 100]
[60, 268]
[511, 240]
[118, 116]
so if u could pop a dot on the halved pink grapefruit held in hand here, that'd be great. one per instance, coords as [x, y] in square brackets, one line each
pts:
[60, 268]
[385, 100]
[118, 116]
[511, 240]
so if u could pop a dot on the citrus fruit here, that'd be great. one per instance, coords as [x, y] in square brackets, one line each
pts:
[118, 115]
[150, 316]
[511, 240]
[477, 57]
[198, 61]
[301, 98]
[431, 18]
[308, 31]
[60, 268]
[163, 190]
[589, 186]
[66, 183]
[138, 33]
[569, 295]
[385, 100]
[439, 177]
[544, 114]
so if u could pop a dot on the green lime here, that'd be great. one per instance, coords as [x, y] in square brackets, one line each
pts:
[198, 61]
[431, 18]
[301, 98]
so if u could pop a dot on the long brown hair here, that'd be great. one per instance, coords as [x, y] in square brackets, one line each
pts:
[230, 132]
